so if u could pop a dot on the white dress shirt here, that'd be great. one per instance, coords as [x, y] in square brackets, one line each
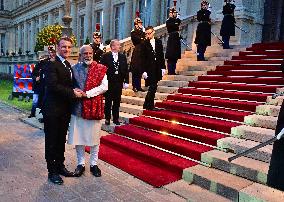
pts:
[152, 41]
[115, 56]
[63, 60]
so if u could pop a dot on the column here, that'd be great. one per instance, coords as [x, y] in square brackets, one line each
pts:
[60, 15]
[155, 13]
[127, 17]
[32, 36]
[25, 36]
[106, 20]
[49, 18]
[40, 23]
[88, 19]
[74, 17]
[19, 38]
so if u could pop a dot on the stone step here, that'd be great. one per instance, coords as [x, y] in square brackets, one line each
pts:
[158, 96]
[216, 181]
[193, 193]
[252, 133]
[195, 68]
[243, 167]
[277, 101]
[268, 110]
[167, 89]
[180, 78]
[260, 193]
[131, 109]
[192, 54]
[237, 146]
[124, 119]
[169, 83]
[261, 121]
[219, 58]
[189, 63]
[133, 100]
[191, 73]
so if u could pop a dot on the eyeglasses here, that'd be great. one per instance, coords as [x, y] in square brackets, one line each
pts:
[148, 33]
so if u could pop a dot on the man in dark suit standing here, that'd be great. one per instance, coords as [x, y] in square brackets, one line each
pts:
[118, 78]
[154, 66]
[57, 110]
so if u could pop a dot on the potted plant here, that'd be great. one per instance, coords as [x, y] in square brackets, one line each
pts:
[27, 52]
[13, 54]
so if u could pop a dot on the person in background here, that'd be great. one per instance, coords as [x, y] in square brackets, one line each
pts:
[118, 78]
[228, 23]
[137, 59]
[97, 46]
[203, 32]
[85, 125]
[38, 81]
[173, 52]
[154, 65]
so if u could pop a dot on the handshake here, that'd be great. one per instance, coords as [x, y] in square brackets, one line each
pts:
[79, 93]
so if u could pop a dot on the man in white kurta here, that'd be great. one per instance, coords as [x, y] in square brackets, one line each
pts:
[85, 132]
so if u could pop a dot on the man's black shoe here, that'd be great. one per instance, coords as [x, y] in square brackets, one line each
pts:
[135, 90]
[95, 171]
[66, 173]
[116, 122]
[107, 122]
[55, 178]
[31, 115]
[154, 109]
[79, 171]
[40, 120]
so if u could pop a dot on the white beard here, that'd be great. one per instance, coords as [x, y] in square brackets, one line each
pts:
[88, 62]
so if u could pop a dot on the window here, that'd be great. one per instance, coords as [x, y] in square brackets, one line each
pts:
[118, 21]
[99, 21]
[2, 44]
[1, 4]
[145, 11]
[81, 30]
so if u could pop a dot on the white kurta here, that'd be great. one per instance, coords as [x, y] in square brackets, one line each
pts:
[83, 131]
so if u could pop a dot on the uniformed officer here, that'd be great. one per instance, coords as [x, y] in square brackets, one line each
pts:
[203, 32]
[173, 52]
[97, 46]
[228, 23]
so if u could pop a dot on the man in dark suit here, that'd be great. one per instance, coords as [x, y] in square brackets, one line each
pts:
[57, 110]
[118, 78]
[154, 66]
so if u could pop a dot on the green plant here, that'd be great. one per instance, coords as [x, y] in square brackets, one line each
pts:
[87, 42]
[49, 35]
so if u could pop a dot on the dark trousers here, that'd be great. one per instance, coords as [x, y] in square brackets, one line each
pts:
[55, 129]
[172, 67]
[200, 51]
[112, 100]
[226, 40]
[136, 80]
[149, 99]
[275, 177]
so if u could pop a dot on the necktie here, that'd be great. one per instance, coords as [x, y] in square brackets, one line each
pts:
[68, 65]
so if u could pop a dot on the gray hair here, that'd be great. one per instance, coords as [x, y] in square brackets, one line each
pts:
[113, 41]
[84, 47]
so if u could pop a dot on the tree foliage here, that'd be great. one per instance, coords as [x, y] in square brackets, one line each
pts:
[49, 35]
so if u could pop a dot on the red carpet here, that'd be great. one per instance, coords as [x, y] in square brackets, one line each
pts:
[191, 122]
[148, 164]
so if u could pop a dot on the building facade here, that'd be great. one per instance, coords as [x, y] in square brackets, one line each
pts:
[21, 20]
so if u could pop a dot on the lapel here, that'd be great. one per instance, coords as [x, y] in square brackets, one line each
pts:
[64, 68]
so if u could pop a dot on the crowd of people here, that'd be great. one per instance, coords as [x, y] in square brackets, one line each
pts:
[73, 96]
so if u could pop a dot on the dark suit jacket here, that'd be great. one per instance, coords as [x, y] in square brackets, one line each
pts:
[59, 89]
[154, 61]
[123, 73]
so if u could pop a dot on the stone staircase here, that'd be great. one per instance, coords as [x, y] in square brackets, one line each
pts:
[243, 179]
[188, 69]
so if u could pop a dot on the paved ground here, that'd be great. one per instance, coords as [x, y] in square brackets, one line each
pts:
[23, 175]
